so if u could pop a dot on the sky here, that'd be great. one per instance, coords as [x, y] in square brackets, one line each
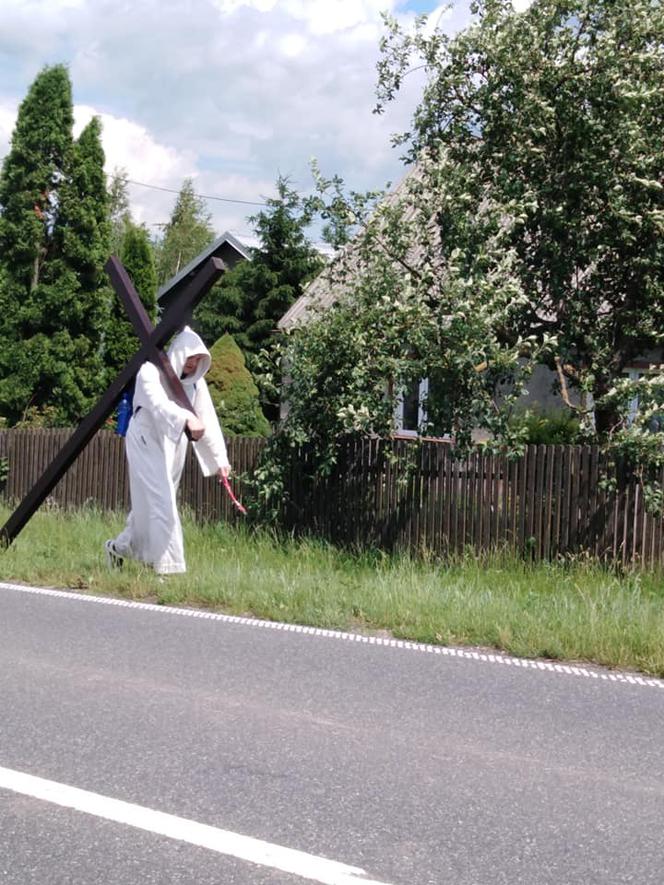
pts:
[229, 92]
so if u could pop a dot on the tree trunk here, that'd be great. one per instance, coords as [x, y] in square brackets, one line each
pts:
[606, 418]
[34, 282]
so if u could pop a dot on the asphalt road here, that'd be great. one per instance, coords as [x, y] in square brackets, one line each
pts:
[415, 767]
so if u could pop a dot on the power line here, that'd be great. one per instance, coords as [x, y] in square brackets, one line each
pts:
[170, 190]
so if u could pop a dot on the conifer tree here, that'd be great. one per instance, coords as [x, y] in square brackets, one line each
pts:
[53, 244]
[233, 391]
[82, 233]
[252, 297]
[283, 263]
[137, 257]
[31, 174]
[187, 233]
[227, 307]
[119, 210]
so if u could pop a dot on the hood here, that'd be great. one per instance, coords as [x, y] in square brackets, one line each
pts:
[185, 344]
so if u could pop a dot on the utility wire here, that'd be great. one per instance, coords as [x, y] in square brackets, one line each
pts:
[170, 190]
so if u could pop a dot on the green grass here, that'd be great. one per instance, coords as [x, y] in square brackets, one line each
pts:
[575, 611]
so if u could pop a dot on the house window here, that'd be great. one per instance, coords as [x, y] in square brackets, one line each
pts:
[656, 423]
[410, 409]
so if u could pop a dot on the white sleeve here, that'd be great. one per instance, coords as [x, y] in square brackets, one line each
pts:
[211, 447]
[169, 416]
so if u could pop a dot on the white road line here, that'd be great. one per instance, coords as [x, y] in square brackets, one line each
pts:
[299, 863]
[464, 654]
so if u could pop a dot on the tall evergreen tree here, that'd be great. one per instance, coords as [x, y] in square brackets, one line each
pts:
[253, 296]
[227, 307]
[137, 256]
[187, 233]
[82, 233]
[31, 174]
[53, 243]
[119, 210]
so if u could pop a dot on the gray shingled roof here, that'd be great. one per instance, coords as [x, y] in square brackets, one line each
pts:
[227, 247]
[333, 281]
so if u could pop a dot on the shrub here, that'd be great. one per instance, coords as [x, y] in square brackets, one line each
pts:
[233, 391]
[552, 427]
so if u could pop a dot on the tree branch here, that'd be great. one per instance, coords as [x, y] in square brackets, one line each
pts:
[564, 390]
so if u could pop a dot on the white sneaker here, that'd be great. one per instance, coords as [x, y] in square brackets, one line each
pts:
[113, 558]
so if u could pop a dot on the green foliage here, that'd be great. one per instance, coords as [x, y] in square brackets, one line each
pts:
[530, 230]
[253, 296]
[4, 472]
[81, 241]
[137, 258]
[225, 309]
[132, 244]
[82, 231]
[39, 416]
[544, 130]
[53, 244]
[39, 150]
[233, 391]
[555, 427]
[638, 445]
[187, 233]
[392, 325]
[118, 209]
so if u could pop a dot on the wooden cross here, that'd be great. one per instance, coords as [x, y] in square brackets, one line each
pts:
[152, 341]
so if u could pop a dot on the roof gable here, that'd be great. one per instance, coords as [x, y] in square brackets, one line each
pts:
[227, 247]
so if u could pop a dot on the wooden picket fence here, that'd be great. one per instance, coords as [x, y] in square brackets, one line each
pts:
[546, 504]
[99, 476]
[394, 495]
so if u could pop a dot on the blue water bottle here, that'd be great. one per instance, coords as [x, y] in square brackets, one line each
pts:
[123, 413]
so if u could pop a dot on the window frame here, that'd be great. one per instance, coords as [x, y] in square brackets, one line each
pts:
[422, 394]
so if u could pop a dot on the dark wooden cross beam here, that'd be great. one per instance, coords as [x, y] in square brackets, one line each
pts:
[152, 340]
[144, 329]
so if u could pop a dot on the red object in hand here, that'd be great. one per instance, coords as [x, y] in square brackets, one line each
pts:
[236, 503]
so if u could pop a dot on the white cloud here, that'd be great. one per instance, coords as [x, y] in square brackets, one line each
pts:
[41, 7]
[232, 92]
[320, 16]
[293, 45]
[228, 6]
[7, 119]
[130, 146]
[329, 16]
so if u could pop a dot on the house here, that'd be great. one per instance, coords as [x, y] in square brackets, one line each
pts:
[331, 284]
[409, 415]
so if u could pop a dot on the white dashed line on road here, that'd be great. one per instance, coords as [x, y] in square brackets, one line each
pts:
[445, 651]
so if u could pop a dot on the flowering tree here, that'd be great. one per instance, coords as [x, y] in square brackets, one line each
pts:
[530, 231]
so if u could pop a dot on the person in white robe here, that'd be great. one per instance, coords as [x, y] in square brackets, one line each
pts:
[156, 447]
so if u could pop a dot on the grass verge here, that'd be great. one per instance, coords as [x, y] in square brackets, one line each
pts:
[574, 611]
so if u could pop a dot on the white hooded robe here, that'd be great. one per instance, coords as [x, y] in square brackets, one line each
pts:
[156, 448]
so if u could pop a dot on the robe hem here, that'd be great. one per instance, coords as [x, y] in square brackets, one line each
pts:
[175, 569]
